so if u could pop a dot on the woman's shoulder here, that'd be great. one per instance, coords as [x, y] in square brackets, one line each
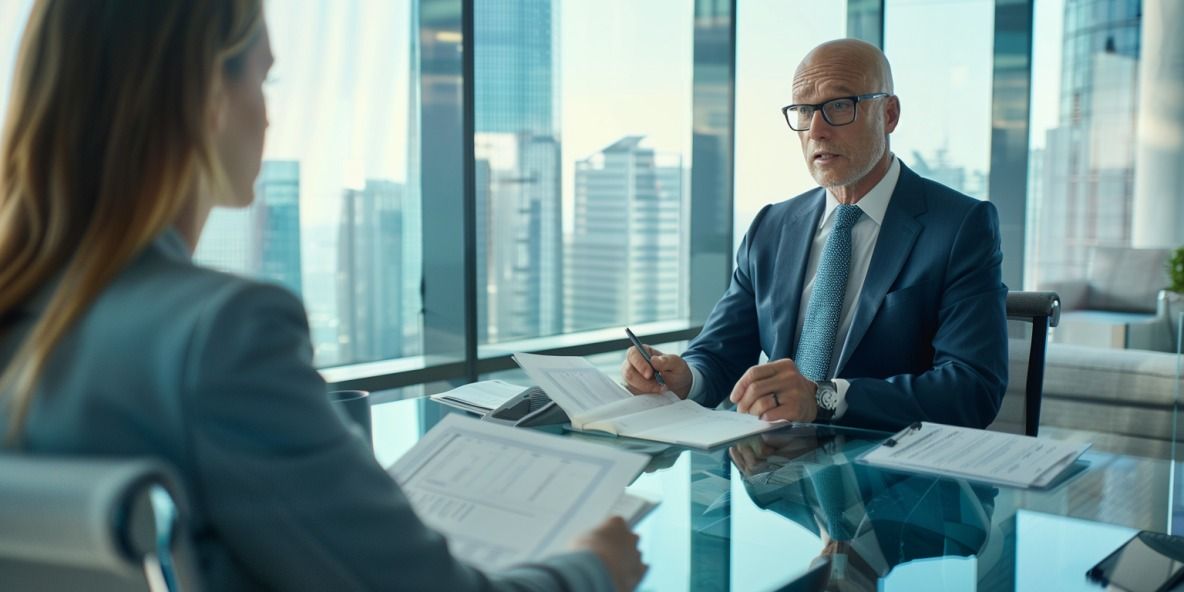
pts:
[159, 283]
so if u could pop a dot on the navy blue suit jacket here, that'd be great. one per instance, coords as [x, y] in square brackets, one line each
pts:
[929, 336]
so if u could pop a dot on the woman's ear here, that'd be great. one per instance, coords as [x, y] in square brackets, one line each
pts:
[219, 111]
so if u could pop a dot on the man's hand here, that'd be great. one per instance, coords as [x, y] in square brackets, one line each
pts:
[776, 390]
[639, 378]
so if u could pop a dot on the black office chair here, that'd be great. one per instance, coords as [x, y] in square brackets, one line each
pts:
[92, 524]
[1029, 317]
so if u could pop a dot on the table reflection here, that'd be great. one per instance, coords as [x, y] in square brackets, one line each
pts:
[868, 520]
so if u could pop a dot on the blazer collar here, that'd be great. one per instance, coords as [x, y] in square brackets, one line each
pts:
[897, 236]
[169, 244]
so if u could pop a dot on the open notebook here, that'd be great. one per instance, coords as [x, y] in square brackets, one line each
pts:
[595, 403]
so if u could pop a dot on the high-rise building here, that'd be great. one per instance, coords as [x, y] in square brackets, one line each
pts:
[1087, 177]
[369, 276]
[624, 261]
[263, 239]
[517, 135]
[277, 193]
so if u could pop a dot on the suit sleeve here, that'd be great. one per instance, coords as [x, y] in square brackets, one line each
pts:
[968, 377]
[300, 502]
[730, 341]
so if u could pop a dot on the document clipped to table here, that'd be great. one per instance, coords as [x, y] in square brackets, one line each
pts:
[975, 455]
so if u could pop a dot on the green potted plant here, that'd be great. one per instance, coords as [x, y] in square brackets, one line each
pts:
[1176, 271]
[1173, 297]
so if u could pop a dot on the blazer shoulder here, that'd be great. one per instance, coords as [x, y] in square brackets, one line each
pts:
[178, 292]
[946, 200]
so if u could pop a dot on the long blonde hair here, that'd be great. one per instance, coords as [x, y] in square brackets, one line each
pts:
[107, 138]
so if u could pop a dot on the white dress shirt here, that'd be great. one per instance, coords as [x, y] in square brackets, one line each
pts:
[863, 243]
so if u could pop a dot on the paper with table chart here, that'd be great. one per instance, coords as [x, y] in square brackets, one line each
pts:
[594, 402]
[503, 495]
[976, 455]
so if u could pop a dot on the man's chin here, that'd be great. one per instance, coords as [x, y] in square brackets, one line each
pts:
[827, 179]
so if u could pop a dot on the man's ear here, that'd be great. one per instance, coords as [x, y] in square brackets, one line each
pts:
[891, 114]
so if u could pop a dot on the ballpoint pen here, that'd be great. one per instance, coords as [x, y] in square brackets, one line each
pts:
[645, 355]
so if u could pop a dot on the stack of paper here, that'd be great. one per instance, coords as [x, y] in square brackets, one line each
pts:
[480, 397]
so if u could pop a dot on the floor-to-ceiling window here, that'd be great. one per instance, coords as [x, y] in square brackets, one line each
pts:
[943, 77]
[582, 143]
[771, 38]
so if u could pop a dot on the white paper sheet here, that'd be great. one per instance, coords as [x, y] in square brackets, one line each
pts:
[480, 397]
[979, 455]
[572, 382]
[503, 495]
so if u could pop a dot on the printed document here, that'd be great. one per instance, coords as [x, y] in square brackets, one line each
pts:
[594, 402]
[502, 495]
[480, 397]
[976, 455]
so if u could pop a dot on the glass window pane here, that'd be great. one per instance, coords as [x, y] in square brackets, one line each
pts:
[581, 177]
[771, 38]
[334, 219]
[1082, 142]
[943, 78]
[13, 15]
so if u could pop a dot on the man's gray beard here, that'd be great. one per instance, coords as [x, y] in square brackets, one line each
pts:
[857, 176]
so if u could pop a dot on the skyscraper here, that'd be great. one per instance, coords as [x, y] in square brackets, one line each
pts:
[517, 134]
[262, 240]
[1087, 177]
[370, 279]
[277, 194]
[624, 259]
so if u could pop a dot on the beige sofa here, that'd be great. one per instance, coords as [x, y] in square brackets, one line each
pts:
[1120, 400]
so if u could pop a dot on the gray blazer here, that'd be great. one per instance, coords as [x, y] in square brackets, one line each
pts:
[213, 373]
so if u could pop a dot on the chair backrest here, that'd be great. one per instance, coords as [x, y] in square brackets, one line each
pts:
[1029, 316]
[1125, 279]
[92, 524]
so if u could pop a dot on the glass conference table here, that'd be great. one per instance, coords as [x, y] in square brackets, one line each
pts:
[757, 514]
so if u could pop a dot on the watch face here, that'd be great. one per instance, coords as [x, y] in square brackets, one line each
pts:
[829, 396]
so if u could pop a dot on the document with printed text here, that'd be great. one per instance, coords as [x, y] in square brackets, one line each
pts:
[594, 402]
[504, 495]
[977, 455]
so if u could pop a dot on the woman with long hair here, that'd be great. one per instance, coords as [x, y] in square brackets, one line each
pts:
[127, 123]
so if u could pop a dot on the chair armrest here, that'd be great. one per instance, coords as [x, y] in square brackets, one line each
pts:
[1074, 294]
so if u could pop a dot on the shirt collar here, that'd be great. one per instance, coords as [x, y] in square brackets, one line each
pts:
[875, 203]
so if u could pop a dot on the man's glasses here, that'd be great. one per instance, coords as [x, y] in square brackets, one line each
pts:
[836, 112]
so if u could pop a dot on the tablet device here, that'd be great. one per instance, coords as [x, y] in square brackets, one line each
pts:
[1149, 562]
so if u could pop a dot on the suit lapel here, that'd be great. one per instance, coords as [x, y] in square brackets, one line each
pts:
[795, 245]
[897, 236]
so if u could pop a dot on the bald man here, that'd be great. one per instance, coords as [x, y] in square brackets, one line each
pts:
[876, 297]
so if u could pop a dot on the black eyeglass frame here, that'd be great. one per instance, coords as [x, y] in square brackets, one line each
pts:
[821, 108]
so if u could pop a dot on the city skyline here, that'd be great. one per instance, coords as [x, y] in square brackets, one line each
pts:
[344, 106]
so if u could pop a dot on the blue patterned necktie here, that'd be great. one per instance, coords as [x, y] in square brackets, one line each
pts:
[826, 299]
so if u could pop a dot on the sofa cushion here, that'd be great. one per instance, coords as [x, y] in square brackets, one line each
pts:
[1125, 279]
[1120, 377]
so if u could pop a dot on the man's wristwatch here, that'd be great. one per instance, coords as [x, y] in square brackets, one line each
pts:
[827, 397]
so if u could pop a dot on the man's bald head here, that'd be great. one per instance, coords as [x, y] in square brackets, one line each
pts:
[844, 87]
[855, 58]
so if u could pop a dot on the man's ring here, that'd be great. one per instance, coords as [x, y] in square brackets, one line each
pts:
[776, 401]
